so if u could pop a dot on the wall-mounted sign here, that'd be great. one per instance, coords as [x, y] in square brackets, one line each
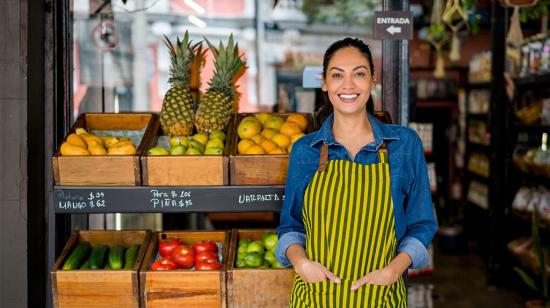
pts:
[393, 25]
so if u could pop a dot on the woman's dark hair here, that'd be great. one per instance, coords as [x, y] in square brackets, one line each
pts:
[364, 49]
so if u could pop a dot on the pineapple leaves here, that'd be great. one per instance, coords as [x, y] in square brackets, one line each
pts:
[527, 279]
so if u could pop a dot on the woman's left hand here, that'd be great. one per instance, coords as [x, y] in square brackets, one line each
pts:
[383, 277]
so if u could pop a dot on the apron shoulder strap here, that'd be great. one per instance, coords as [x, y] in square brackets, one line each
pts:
[324, 158]
[383, 153]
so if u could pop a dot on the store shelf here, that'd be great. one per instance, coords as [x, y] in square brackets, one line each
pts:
[533, 80]
[479, 85]
[437, 103]
[479, 146]
[533, 127]
[531, 177]
[478, 116]
[150, 199]
[478, 206]
[525, 215]
[478, 176]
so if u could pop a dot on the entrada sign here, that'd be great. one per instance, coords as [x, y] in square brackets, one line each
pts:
[393, 25]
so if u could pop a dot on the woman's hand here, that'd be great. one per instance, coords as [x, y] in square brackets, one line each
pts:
[312, 272]
[382, 277]
[386, 275]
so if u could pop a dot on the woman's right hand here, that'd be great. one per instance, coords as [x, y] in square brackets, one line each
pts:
[313, 272]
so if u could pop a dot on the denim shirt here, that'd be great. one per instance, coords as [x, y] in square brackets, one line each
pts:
[415, 222]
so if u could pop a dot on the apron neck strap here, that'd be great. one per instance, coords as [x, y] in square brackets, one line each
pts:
[382, 153]
[324, 158]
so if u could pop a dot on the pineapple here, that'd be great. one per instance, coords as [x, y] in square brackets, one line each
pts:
[176, 117]
[216, 104]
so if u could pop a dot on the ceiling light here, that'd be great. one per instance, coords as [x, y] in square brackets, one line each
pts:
[196, 21]
[195, 6]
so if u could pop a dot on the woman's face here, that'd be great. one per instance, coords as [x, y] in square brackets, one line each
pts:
[348, 81]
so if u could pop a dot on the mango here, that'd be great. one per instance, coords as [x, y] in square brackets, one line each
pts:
[68, 149]
[76, 141]
[158, 151]
[122, 143]
[124, 149]
[96, 149]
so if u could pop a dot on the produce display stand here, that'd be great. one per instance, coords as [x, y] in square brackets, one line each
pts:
[184, 288]
[106, 288]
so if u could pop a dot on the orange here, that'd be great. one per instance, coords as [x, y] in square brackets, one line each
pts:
[269, 132]
[247, 129]
[299, 119]
[258, 139]
[290, 129]
[268, 145]
[293, 138]
[277, 150]
[274, 122]
[255, 150]
[244, 145]
[281, 140]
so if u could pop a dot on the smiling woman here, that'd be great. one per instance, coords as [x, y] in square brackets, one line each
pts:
[357, 211]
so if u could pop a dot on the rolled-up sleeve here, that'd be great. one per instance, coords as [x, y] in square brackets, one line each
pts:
[291, 229]
[419, 214]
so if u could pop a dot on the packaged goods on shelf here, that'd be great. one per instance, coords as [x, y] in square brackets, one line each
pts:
[434, 88]
[534, 161]
[478, 101]
[535, 56]
[480, 68]
[419, 295]
[528, 199]
[478, 193]
[432, 177]
[425, 131]
[478, 132]
[479, 164]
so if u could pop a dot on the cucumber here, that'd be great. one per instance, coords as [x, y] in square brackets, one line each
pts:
[116, 257]
[130, 256]
[77, 257]
[97, 257]
[86, 265]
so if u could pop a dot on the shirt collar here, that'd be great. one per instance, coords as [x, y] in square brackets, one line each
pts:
[380, 131]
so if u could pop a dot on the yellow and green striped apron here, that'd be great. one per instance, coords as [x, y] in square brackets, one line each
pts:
[350, 229]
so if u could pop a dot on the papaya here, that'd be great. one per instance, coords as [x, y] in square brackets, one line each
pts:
[125, 149]
[109, 140]
[96, 149]
[68, 149]
[76, 141]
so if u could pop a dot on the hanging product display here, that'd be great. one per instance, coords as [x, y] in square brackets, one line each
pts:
[456, 19]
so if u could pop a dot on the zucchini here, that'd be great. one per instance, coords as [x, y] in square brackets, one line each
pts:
[116, 257]
[130, 256]
[77, 257]
[86, 265]
[97, 257]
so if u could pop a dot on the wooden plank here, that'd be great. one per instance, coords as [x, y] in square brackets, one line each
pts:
[99, 288]
[245, 285]
[184, 288]
[117, 121]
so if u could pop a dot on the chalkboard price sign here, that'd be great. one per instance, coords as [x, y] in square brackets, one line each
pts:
[145, 199]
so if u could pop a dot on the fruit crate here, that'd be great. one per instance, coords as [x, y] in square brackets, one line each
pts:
[169, 170]
[266, 169]
[183, 287]
[105, 170]
[99, 288]
[256, 287]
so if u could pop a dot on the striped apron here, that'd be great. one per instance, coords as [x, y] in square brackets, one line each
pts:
[350, 229]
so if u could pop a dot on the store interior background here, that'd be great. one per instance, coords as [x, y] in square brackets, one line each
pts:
[124, 67]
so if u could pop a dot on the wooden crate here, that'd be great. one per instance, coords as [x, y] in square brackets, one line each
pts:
[105, 170]
[167, 170]
[260, 287]
[265, 169]
[184, 288]
[99, 288]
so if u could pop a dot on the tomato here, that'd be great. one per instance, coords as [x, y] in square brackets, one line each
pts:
[184, 256]
[165, 264]
[200, 257]
[207, 265]
[166, 247]
[204, 246]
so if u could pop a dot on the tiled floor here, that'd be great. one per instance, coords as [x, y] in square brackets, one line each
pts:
[460, 282]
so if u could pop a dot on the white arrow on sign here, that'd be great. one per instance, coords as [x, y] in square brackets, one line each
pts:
[393, 30]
